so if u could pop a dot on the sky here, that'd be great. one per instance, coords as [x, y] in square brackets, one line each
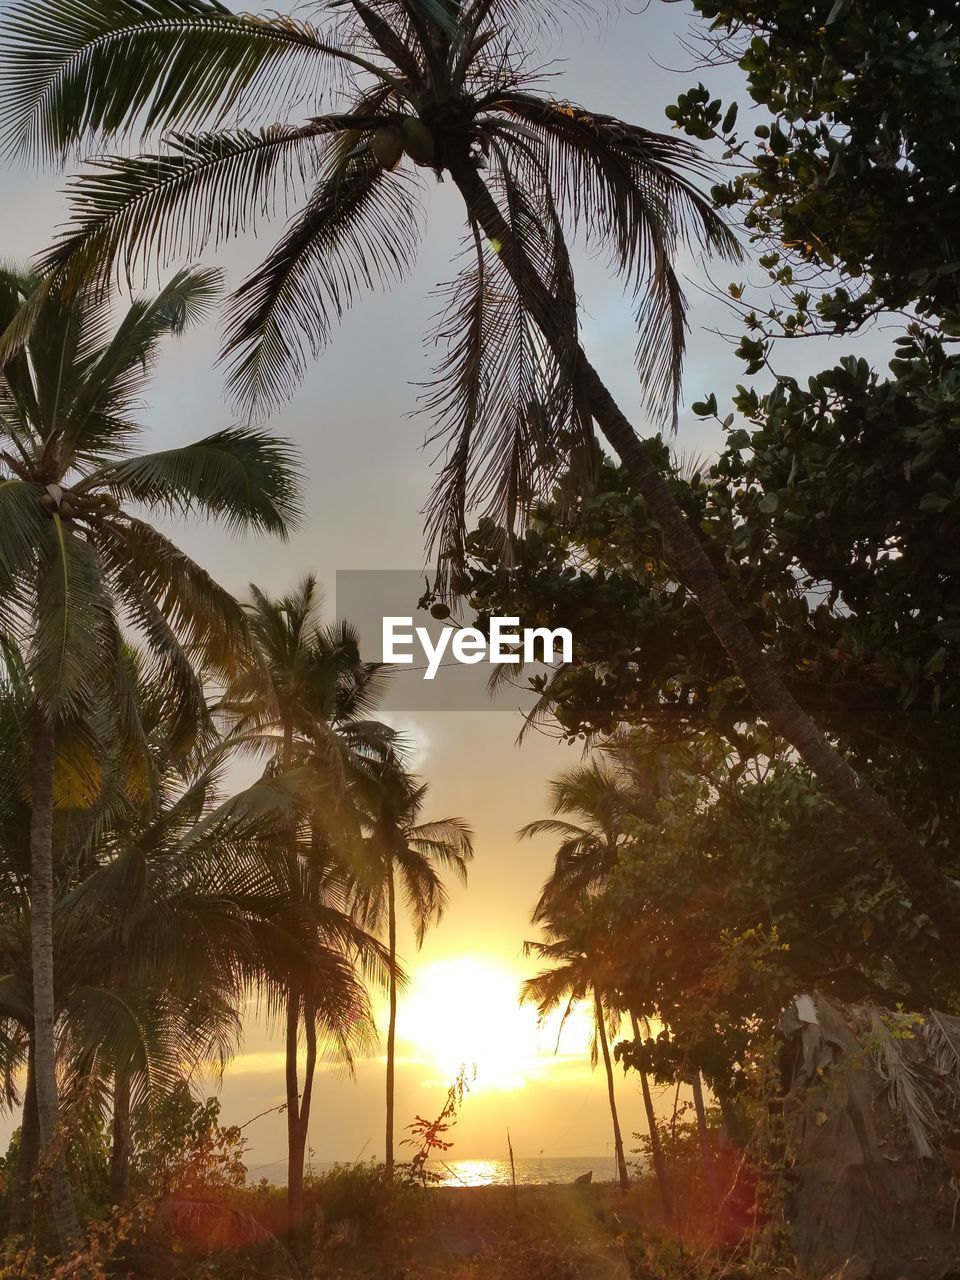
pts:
[365, 478]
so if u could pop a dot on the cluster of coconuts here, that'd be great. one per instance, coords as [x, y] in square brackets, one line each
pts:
[66, 504]
[409, 135]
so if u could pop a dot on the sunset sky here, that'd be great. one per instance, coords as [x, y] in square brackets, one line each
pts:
[365, 480]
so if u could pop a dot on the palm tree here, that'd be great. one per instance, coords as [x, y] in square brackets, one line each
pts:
[598, 795]
[573, 975]
[403, 852]
[224, 910]
[75, 566]
[656, 1146]
[304, 700]
[517, 396]
[176, 910]
[119, 1010]
[608, 797]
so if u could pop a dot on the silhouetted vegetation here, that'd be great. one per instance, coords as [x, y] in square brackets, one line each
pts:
[755, 886]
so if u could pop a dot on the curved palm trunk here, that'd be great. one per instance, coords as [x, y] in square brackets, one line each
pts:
[294, 1150]
[20, 1222]
[298, 1105]
[392, 1024]
[622, 1175]
[44, 1009]
[692, 565]
[122, 1144]
[656, 1146]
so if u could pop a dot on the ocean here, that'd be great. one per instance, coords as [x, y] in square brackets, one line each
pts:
[531, 1170]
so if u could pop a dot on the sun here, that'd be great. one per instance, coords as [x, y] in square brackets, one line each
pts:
[465, 1011]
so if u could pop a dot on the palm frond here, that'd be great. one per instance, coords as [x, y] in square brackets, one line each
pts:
[239, 476]
[941, 1037]
[74, 617]
[360, 230]
[504, 398]
[117, 369]
[389, 41]
[22, 299]
[22, 526]
[209, 621]
[174, 662]
[102, 1025]
[552, 827]
[908, 1092]
[134, 213]
[631, 192]
[267, 806]
[553, 988]
[423, 891]
[88, 69]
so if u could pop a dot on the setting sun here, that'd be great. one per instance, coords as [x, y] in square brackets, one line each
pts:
[466, 1012]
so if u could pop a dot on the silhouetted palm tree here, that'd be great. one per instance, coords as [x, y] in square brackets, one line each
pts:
[304, 701]
[602, 803]
[606, 798]
[75, 565]
[405, 854]
[573, 976]
[517, 396]
[168, 913]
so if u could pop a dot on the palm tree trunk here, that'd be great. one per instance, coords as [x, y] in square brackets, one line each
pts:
[608, 1068]
[20, 1223]
[392, 1024]
[309, 1073]
[703, 1136]
[296, 1128]
[44, 1008]
[656, 1146]
[296, 1144]
[303, 1119]
[689, 560]
[120, 1150]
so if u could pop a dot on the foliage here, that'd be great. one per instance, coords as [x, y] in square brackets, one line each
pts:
[726, 890]
[741, 894]
[142, 891]
[361, 1207]
[829, 513]
[852, 171]
[184, 1150]
[410, 96]
[822, 520]
[428, 1138]
[712, 879]
[76, 564]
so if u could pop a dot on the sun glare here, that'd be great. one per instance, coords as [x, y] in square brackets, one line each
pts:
[466, 1012]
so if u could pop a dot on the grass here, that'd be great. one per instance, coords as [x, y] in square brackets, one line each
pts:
[360, 1226]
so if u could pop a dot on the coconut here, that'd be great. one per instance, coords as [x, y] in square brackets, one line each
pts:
[418, 141]
[387, 146]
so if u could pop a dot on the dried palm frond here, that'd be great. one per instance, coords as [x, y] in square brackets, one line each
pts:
[941, 1036]
[908, 1094]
